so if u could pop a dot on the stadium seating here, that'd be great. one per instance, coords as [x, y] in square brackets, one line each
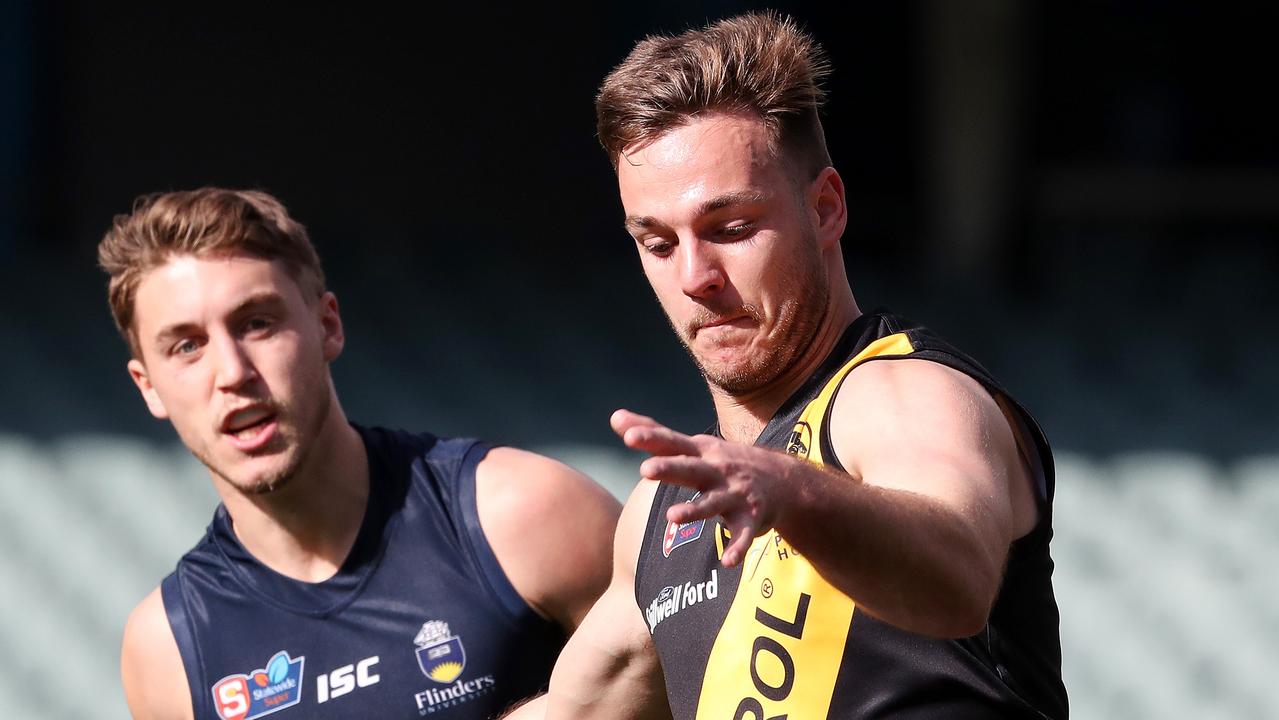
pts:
[1165, 572]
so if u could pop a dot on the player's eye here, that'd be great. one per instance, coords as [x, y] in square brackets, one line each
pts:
[659, 247]
[737, 230]
[187, 346]
[258, 324]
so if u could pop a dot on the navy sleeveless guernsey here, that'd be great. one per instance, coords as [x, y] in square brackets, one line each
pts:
[771, 638]
[419, 621]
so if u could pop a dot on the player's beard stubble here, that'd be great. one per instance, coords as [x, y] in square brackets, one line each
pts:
[799, 316]
[297, 433]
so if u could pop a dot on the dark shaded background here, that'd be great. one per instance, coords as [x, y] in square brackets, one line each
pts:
[1085, 195]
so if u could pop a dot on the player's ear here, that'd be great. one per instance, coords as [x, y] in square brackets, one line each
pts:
[334, 337]
[827, 205]
[138, 372]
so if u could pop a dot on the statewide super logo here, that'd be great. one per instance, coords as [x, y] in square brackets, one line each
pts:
[244, 696]
[681, 533]
[439, 654]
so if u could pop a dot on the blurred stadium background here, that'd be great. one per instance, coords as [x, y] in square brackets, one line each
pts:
[1084, 195]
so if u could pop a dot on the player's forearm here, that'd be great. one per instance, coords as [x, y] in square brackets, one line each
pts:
[588, 682]
[594, 681]
[531, 709]
[906, 558]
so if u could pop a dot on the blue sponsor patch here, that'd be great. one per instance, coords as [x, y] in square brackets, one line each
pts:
[245, 696]
[680, 534]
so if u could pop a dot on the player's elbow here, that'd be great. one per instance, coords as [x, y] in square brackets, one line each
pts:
[975, 570]
[968, 610]
[960, 595]
[956, 615]
[970, 620]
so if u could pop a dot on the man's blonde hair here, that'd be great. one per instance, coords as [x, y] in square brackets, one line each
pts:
[759, 64]
[206, 222]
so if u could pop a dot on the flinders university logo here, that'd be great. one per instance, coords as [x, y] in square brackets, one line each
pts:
[244, 696]
[442, 658]
[439, 654]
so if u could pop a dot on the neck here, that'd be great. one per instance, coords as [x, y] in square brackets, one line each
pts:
[306, 528]
[743, 417]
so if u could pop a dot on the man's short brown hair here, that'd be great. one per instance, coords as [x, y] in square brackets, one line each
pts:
[760, 64]
[205, 222]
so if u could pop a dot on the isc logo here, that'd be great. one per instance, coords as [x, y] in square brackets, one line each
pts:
[343, 680]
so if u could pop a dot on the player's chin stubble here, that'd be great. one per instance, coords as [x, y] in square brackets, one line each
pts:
[798, 319]
[297, 446]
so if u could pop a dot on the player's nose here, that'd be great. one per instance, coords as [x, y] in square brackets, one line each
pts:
[701, 273]
[234, 367]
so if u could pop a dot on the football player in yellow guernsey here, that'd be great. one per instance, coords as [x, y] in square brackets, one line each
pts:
[865, 532]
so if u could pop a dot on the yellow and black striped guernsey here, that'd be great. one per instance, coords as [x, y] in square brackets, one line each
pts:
[772, 639]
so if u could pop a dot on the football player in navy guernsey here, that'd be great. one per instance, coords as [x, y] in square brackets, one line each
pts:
[865, 532]
[349, 571]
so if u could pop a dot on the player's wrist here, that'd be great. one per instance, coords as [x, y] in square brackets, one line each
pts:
[801, 496]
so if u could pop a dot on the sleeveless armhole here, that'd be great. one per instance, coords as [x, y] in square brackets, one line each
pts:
[650, 526]
[893, 346]
[1038, 456]
[175, 608]
[477, 544]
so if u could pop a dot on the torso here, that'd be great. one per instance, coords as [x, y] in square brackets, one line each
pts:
[772, 638]
[419, 621]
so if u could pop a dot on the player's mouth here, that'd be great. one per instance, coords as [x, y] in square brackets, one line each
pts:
[724, 324]
[251, 428]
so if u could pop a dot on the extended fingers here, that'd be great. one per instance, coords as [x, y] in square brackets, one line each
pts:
[623, 420]
[743, 536]
[686, 470]
[659, 440]
[707, 505]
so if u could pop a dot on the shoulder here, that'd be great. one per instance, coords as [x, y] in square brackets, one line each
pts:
[904, 413]
[151, 670]
[521, 489]
[550, 527]
[913, 391]
[923, 426]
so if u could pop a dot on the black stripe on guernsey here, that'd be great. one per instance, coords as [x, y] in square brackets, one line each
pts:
[771, 638]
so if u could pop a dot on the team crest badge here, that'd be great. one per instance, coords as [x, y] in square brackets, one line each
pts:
[439, 653]
[244, 696]
[800, 440]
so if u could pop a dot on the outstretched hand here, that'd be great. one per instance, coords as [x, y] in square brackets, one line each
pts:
[740, 483]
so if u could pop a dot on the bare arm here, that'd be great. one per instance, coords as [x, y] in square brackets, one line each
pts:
[550, 528]
[943, 492]
[609, 668]
[917, 531]
[155, 683]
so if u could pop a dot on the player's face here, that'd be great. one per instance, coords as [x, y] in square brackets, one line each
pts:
[237, 358]
[729, 246]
